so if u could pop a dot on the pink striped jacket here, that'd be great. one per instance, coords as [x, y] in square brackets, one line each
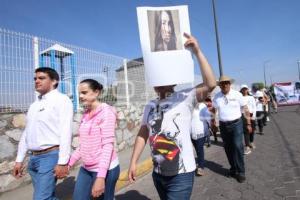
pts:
[96, 140]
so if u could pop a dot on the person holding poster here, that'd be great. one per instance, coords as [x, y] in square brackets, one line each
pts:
[166, 123]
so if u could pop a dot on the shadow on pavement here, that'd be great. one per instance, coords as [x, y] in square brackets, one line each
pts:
[217, 168]
[64, 190]
[132, 194]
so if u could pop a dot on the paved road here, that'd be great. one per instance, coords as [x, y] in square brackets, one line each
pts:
[64, 189]
[272, 169]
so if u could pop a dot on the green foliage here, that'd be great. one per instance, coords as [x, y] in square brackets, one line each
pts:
[258, 85]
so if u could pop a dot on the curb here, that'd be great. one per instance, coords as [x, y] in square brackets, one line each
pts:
[142, 169]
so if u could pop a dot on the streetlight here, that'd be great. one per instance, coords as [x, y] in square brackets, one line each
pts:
[298, 61]
[265, 62]
[217, 38]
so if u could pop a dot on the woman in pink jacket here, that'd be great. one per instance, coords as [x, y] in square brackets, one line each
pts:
[100, 166]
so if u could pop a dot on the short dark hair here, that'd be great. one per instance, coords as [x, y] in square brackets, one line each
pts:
[53, 75]
[207, 99]
[93, 84]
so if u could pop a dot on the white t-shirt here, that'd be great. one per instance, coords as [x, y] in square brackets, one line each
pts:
[229, 105]
[251, 104]
[259, 106]
[169, 122]
[200, 121]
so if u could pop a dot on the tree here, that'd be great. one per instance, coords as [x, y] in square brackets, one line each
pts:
[258, 86]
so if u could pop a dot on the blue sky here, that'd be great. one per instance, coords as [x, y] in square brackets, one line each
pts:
[251, 31]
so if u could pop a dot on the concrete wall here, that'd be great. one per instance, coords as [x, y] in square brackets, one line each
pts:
[12, 125]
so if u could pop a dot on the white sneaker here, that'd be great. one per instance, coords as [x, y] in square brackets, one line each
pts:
[247, 151]
[268, 119]
[252, 146]
[200, 171]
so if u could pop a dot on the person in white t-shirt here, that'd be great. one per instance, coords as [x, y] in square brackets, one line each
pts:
[166, 123]
[199, 131]
[251, 104]
[260, 111]
[229, 104]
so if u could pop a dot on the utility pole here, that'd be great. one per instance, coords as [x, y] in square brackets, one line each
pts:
[265, 74]
[217, 39]
[265, 80]
[298, 62]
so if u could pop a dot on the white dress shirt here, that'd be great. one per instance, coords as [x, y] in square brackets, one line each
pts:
[229, 106]
[48, 123]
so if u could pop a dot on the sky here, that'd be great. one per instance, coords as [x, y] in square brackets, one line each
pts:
[253, 33]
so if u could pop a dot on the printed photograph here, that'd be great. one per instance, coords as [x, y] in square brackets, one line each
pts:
[164, 30]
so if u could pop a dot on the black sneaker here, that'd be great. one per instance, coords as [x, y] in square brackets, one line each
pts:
[240, 178]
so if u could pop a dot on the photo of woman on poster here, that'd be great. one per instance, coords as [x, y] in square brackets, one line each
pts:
[163, 28]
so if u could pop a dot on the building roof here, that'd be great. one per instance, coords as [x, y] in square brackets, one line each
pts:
[60, 51]
[132, 63]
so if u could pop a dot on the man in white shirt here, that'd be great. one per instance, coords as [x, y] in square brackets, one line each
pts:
[47, 136]
[230, 104]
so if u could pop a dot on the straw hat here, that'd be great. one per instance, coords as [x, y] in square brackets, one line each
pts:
[224, 78]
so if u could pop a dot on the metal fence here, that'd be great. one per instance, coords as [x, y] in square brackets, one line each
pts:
[20, 54]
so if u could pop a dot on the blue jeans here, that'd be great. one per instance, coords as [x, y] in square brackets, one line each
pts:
[41, 170]
[86, 179]
[199, 147]
[175, 187]
[232, 135]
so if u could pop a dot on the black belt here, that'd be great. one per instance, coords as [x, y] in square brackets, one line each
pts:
[229, 122]
[43, 151]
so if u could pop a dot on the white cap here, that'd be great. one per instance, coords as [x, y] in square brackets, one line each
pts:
[244, 86]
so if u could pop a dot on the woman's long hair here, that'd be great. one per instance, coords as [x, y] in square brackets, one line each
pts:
[158, 37]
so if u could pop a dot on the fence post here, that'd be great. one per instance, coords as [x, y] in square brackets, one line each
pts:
[74, 84]
[36, 52]
[36, 57]
[52, 59]
[126, 82]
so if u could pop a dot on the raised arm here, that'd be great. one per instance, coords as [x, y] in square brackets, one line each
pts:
[209, 80]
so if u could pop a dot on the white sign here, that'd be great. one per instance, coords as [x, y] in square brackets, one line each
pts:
[166, 60]
[287, 93]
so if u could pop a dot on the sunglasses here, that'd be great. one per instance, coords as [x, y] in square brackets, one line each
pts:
[224, 83]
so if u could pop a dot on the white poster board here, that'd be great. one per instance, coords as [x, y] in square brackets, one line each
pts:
[166, 60]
